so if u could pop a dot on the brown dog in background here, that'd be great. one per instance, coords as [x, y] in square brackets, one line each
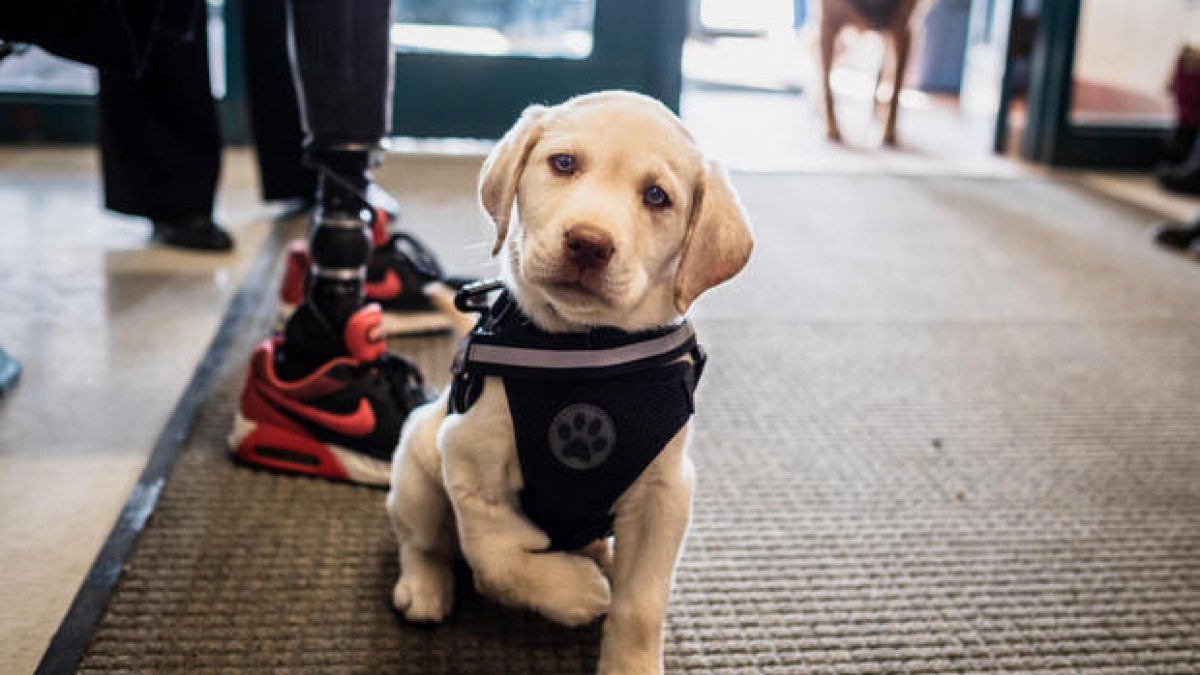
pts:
[892, 18]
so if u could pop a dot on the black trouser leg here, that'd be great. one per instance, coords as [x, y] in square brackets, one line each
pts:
[274, 108]
[343, 63]
[160, 145]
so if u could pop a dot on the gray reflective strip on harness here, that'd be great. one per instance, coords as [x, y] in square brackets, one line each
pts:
[522, 357]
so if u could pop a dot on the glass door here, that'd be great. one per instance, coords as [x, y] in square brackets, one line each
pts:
[1102, 69]
[985, 91]
[466, 68]
[45, 98]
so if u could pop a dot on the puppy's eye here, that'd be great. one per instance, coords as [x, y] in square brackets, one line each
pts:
[656, 197]
[563, 163]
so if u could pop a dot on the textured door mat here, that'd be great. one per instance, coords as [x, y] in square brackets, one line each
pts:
[949, 426]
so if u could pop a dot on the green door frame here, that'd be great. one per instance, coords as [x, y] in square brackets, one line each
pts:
[1004, 105]
[637, 45]
[66, 119]
[1050, 136]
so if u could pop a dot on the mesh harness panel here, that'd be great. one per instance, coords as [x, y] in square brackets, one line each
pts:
[590, 410]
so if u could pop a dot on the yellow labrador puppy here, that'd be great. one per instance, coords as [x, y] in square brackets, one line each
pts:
[543, 448]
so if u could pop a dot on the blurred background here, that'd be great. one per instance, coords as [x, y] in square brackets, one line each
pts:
[1076, 83]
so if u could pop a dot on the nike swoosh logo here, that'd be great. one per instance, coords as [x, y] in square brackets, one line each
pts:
[385, 289]
[356, 424]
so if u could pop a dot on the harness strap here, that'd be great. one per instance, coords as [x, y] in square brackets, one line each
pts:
[486, 351]
[595, 362]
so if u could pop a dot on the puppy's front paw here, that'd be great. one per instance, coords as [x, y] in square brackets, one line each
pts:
[601, 552]
[574, 591]
[424, 597]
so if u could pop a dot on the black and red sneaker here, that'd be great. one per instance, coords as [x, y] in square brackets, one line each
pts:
[341, 421]
[400, 273]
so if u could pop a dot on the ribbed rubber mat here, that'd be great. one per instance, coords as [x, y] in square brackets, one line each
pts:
[949, 426]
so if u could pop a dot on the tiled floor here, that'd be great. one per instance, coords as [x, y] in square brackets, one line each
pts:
[1143, 190]
[108, 330]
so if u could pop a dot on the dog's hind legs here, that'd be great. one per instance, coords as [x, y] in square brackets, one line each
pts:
[829, 32]
[420, 513]
[901, 39]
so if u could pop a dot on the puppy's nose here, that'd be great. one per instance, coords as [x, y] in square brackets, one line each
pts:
[588, 246]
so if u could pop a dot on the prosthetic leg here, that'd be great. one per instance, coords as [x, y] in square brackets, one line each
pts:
[343, 65]
[402, 276]
[326, 398]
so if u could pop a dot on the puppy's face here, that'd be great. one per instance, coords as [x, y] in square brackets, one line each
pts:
[621, 221]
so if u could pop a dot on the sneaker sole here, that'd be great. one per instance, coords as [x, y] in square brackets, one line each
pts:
[274, 448]
[395, 324]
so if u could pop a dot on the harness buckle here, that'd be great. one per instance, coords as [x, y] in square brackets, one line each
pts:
[691, 378]
[699, 360]
[473, 296]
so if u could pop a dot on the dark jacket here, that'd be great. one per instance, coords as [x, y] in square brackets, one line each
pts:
[116, 35]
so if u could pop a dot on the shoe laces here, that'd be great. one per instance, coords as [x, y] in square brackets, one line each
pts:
[417, 254]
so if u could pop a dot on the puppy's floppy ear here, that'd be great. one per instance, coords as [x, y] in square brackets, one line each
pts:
[502, 169]
[718, 240]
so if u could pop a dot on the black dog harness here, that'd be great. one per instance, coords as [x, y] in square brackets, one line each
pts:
[590, 410]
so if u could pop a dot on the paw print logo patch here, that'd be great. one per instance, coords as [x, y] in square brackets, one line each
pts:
[582, 436]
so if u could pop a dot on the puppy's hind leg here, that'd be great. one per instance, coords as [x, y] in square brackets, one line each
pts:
[420, 513]
[652, 518]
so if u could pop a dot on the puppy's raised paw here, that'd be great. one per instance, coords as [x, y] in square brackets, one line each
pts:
[424, 598]
[601, 552]
[574, 590]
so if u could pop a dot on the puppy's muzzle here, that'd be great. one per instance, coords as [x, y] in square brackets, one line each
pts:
[587, 247]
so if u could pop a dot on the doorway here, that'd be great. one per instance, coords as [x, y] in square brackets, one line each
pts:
[752, 87]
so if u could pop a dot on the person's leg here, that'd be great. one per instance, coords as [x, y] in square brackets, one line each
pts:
[342, 62]
[274, 109]
[1179, 235]
[1185, 176]
[346, 111]
[326, 398]
[160, 145]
